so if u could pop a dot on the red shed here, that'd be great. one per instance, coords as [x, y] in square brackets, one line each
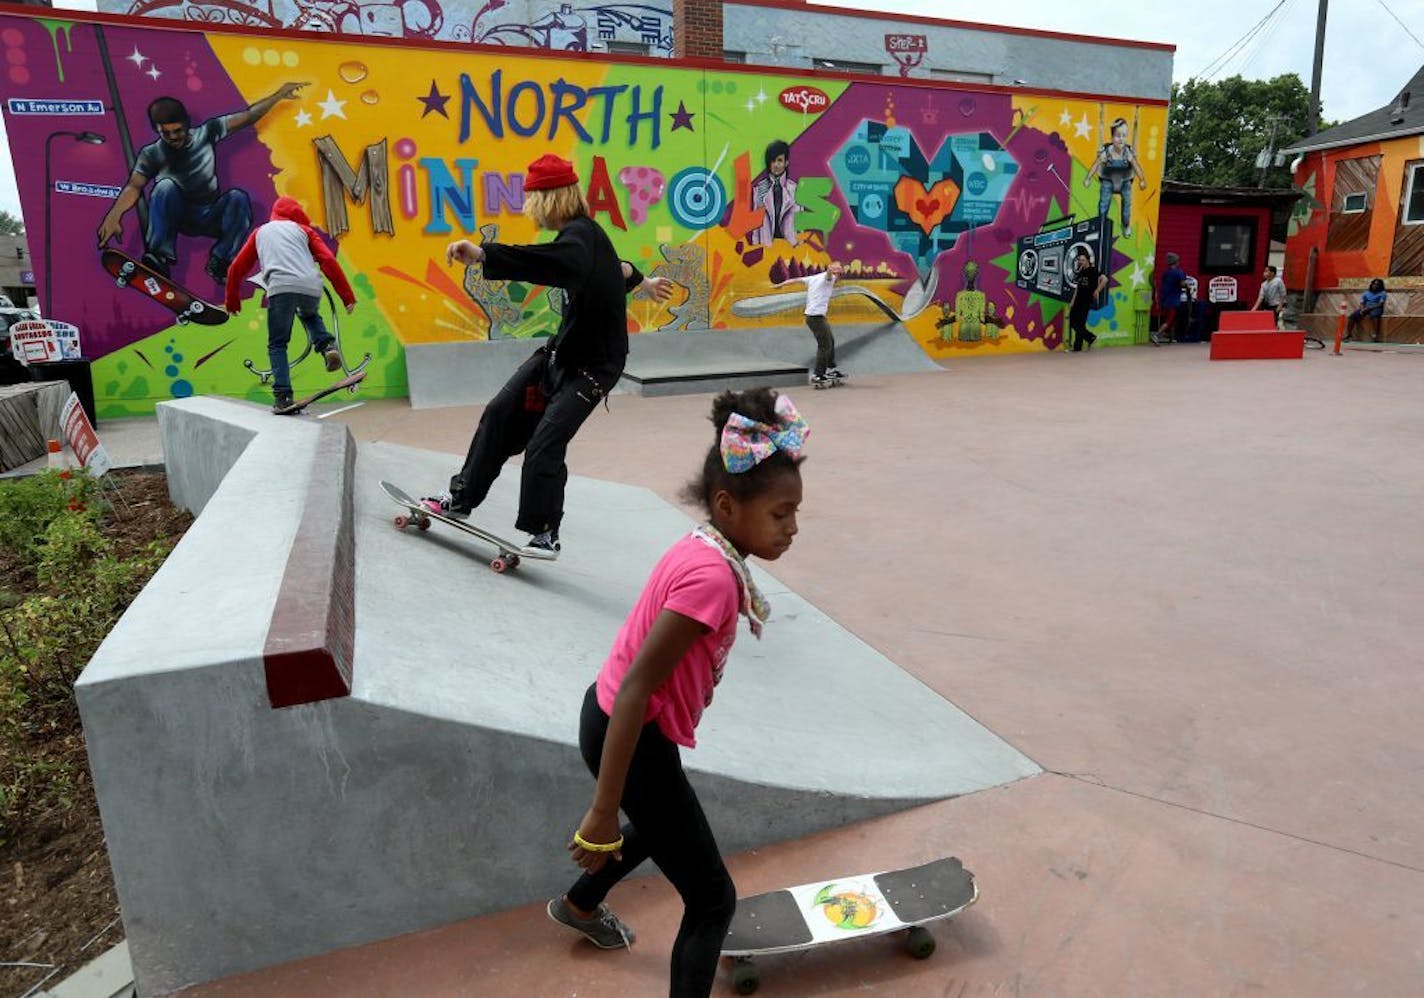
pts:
[1219, 232]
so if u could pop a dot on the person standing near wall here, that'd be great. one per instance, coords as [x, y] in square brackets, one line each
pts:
[819, 288]
[1272, 294]
[1174, 318]
[1088, 284]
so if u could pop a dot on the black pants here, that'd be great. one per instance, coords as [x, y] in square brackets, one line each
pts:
[825, 343]
[538, 411]
[1078, 323]
[666, 824]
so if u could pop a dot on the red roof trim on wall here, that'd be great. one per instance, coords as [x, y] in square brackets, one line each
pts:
[801, 6]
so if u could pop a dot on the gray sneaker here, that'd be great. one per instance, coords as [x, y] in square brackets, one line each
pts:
[604, 929]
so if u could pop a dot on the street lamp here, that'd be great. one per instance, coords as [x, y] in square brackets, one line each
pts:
[89, 138]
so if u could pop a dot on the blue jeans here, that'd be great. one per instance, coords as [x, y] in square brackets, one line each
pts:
[226, 220]
[281, 310]
[1105, 194]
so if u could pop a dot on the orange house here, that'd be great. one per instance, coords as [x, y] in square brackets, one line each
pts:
[1362, 217]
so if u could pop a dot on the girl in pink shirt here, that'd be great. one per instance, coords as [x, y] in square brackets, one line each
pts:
[660, 676]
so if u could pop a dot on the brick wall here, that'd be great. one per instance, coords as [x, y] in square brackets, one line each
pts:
[697, 29]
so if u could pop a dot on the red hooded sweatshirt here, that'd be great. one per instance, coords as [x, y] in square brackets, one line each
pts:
[289, 253]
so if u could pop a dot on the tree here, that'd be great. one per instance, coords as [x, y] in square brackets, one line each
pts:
[1215, 131]
[11, 225]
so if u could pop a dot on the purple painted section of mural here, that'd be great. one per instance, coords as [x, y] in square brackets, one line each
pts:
[1035, 195]
[86, 176]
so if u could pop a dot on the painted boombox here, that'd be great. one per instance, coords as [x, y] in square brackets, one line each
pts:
[1045, 260]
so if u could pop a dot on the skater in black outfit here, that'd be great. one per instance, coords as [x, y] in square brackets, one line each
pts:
[1088, 284]
[544, 403]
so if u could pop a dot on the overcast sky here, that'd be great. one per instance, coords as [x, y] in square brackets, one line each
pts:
[1369, 54]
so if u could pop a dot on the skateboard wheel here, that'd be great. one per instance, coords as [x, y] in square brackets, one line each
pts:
[402, 522]
[182, 320]
[919, 942]
[423, 523]
[499, 565]
[514, 561]
[746, 978]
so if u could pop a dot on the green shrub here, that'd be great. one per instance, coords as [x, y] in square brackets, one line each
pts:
[48, 634]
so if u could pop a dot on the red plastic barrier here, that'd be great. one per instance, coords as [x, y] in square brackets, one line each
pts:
[1253, 321]
[1257, 345]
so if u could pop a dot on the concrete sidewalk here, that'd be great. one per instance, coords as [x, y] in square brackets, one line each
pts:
[1189, 591]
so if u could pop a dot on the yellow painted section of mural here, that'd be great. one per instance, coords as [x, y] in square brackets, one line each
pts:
[958, 212]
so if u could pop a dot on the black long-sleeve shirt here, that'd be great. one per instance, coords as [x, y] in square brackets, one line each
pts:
[582, 261]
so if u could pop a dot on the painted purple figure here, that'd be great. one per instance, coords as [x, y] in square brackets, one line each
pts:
[775, 193]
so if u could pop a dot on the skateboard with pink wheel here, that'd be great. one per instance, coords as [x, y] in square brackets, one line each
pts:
[419, 515]
[830, 911]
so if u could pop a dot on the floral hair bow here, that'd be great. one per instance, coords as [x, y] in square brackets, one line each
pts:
[746, 443]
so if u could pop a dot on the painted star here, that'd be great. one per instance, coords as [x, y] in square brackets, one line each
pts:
[1138, 275]
[435, 102]
[751, 104]
[137, 58]
[761, 97]
[303, 118]
[1082, 128]
[1066, 118]
[152, 73]
[333, 108]
[682, 117]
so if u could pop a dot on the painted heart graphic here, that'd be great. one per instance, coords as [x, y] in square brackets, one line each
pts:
[926, 208]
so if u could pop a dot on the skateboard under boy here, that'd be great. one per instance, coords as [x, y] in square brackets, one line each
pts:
[185, 306]
[419, 516]
[832, 911]
[349, 383]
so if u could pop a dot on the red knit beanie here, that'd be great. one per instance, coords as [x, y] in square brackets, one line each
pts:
[548, 172]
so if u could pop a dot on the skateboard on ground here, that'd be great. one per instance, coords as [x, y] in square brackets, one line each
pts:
[831, 911]
[829, 383]
[419, 516]
[349, 383]
[185, 306]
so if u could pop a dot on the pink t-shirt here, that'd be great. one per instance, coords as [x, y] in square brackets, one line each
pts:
[692, 579]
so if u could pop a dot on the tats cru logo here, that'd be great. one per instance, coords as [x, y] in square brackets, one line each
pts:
[807, 100]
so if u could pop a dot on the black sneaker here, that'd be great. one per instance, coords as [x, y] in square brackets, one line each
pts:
[836, 374]
[544, 545]
[604, 929]
[333, 358]
[444, 505]
[281, 401]
[217, 270]
[156, 264]
[819, 381]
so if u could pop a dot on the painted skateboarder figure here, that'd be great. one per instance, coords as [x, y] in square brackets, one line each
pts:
[186, 196]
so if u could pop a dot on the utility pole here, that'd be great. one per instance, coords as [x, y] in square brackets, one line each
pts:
[1313, 125]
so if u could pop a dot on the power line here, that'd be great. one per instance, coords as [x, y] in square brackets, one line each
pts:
[1264, 37]
[1219, 62]
[1401, 24]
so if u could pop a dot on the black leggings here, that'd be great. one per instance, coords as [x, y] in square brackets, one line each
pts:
[666, 824]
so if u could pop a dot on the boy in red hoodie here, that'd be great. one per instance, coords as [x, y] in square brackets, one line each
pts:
[292, 259]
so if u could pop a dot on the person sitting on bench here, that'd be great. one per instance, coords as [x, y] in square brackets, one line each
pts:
[1371, 307]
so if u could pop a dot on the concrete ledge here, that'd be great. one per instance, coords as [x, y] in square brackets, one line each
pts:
[443, 374]
[312, 638]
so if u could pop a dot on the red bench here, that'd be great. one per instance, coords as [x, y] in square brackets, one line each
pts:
[1253, 336]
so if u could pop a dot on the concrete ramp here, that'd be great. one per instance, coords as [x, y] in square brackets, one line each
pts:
[445, 783]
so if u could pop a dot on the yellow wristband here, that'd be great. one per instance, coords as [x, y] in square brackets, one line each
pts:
[582, 843]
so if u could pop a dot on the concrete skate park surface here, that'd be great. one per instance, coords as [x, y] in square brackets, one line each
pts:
[449, 374]
[438, 788]
[1188, 590]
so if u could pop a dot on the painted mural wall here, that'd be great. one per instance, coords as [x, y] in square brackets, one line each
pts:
[956, 211]
[544, 24]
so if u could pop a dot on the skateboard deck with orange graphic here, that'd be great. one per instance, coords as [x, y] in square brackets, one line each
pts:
[831, 911]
